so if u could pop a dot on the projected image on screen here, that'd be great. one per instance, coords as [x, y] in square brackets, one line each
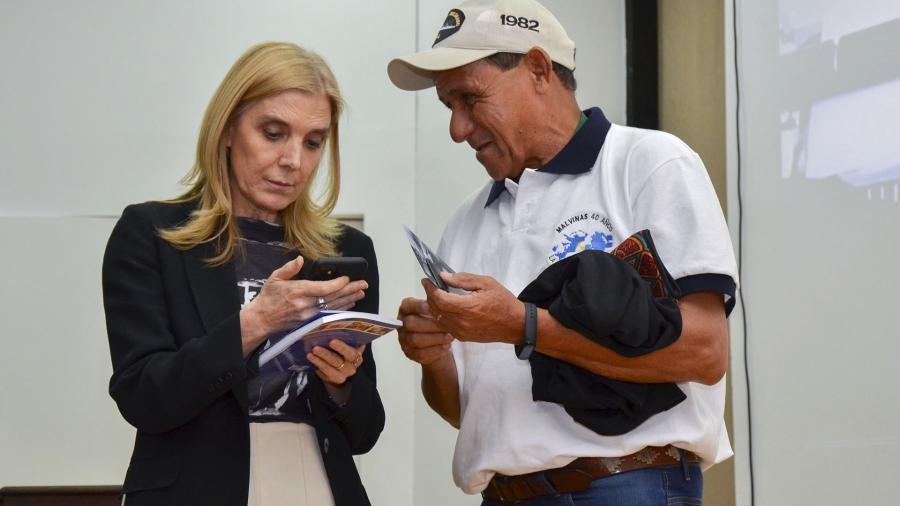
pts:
[844, 124]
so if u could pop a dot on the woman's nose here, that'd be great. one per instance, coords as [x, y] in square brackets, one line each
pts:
[292, 154]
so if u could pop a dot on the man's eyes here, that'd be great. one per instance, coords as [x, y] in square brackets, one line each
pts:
[466, 99]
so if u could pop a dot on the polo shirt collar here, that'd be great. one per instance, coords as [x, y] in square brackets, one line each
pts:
[577, 157]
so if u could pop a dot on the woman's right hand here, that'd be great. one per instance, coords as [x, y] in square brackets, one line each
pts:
[284, 301]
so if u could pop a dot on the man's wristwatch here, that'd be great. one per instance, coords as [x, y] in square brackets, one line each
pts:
[523, 351]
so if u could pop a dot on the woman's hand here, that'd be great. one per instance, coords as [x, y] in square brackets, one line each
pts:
[337, 363]
[284, 301]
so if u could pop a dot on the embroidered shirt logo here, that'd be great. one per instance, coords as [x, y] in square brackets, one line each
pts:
[581, 232]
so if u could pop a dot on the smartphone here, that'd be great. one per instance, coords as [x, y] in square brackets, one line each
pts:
[325, 268]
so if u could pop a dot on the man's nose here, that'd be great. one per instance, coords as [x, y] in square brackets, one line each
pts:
[461, 126]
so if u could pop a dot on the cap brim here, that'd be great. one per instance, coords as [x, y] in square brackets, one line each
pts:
[416, 71]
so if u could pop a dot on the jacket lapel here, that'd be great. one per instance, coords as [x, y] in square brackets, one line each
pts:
[215, 294]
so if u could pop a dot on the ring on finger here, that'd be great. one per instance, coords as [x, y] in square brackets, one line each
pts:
[439, 316]
[320, 301]
[342, 365]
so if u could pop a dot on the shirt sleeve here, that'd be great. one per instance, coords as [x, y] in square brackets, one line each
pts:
[672, 196]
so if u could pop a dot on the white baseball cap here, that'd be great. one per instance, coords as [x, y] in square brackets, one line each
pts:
[479, 28]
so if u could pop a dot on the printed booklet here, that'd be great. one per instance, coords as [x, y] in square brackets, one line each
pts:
[352, 327]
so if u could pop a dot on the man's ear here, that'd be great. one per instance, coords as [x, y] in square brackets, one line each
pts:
[540, 66]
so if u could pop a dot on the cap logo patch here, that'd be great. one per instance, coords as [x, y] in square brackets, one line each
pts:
[451, 25]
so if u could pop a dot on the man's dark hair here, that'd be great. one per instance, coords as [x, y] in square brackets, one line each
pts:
[506, 61]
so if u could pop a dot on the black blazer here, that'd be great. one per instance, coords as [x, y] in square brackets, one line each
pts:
[179, 373]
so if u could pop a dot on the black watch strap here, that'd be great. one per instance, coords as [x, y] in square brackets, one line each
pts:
[524, 350]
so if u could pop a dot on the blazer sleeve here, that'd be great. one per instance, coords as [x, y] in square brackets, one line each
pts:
[361, 419]
[160, 381]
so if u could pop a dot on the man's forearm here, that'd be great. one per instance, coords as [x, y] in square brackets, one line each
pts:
[700, 353]
[441, 388]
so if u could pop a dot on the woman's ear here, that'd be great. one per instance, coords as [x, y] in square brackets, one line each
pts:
[227, 138]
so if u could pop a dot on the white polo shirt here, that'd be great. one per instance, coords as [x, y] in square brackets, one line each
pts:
[607, 183]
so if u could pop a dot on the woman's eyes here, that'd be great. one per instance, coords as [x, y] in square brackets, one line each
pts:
[272, 135]
[278, 135]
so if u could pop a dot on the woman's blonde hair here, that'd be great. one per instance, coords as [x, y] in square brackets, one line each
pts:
[262, 71]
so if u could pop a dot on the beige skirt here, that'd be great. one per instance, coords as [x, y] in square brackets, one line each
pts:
[286, 466]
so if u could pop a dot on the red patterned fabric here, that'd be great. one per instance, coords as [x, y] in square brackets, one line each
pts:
[639, 252]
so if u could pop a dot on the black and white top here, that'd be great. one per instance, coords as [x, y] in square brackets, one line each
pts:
[272, 397]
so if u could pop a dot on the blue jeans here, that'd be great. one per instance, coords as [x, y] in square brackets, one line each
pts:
[677, 485]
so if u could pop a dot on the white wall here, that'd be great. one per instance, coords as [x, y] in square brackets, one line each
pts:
[101, 105]
[819, 91]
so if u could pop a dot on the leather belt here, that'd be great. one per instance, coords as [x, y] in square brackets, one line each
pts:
[578, 475]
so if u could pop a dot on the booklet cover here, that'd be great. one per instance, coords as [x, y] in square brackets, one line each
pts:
[353, 327]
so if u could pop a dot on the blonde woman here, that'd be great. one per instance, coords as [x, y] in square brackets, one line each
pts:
[194, 286]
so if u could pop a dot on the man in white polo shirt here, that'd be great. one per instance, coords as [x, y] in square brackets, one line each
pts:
[563, 181]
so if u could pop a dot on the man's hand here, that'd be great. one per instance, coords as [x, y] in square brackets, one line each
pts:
[488, 313]
[423, 341]
[420, 338]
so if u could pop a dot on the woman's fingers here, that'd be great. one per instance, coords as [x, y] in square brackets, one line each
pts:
[326, 371]
[331, 291]
[288, 270]
[347, 352]
[322, 288]
[284, 301]
[334, 294]
[345, 298]
[337, 364]
[344, 303]
[351, 288]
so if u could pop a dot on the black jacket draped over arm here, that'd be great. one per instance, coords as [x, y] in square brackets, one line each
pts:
[624, 300]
